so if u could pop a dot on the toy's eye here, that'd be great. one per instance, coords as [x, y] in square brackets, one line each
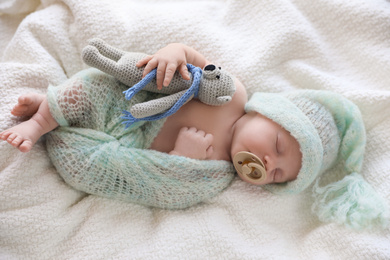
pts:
[209, 67]
[219, 67]
[217, 76]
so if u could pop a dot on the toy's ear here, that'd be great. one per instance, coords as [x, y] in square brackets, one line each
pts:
[156, 106]
[211, 72]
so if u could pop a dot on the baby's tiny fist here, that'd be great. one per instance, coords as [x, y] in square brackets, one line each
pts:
[194, 143]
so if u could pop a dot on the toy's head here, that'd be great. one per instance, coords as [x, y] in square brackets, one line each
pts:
[216, 87]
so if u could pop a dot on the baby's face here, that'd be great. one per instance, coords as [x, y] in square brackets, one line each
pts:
[278, 150]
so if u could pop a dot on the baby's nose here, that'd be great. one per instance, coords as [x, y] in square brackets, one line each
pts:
[269, 163]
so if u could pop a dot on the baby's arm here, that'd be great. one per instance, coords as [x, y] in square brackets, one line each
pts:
[193, 143]
[167, 60]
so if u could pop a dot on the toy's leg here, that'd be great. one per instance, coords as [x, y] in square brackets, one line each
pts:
[107, 50]
[124, 70]
[94, 58]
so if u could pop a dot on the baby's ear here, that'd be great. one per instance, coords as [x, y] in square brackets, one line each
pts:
[211, 71]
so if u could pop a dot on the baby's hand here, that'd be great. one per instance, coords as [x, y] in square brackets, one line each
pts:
[167, 61]
[193, 143]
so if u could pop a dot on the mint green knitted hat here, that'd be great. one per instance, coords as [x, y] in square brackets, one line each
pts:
[329, 129]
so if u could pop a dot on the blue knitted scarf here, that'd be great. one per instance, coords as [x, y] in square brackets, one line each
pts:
[192, 91]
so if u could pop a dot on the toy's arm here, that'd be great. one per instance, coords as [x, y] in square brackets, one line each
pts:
[155, 106]
[167, 60]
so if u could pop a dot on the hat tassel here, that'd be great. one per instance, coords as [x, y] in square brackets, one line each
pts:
[350, 201]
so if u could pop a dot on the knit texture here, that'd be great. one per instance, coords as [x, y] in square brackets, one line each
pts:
[166, 109]
[215, 87]
[328, 128]
[271, 46]
[94, 153]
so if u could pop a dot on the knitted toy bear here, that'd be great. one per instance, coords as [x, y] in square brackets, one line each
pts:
[211, 86]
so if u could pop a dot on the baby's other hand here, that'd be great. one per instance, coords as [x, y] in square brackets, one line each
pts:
[193, 143]
[167, 60]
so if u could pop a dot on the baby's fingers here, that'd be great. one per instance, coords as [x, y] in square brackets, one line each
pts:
[184, 71]
[169, 72]
[160, 75]
[143, 61]
[209, 138]
[209, 152]
[152, 64]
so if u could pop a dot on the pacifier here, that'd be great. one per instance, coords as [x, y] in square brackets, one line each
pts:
[249, 167]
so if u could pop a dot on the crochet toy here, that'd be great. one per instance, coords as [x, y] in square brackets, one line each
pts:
[211, 85]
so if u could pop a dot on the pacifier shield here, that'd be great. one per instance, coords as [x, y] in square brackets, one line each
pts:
[250, 167]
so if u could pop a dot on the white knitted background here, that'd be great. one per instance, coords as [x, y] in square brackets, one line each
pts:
[270, 45]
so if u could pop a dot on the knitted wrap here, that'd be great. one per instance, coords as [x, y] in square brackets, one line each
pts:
[94, 153]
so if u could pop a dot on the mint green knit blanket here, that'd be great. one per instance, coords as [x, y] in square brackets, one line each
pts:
[94, 153]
